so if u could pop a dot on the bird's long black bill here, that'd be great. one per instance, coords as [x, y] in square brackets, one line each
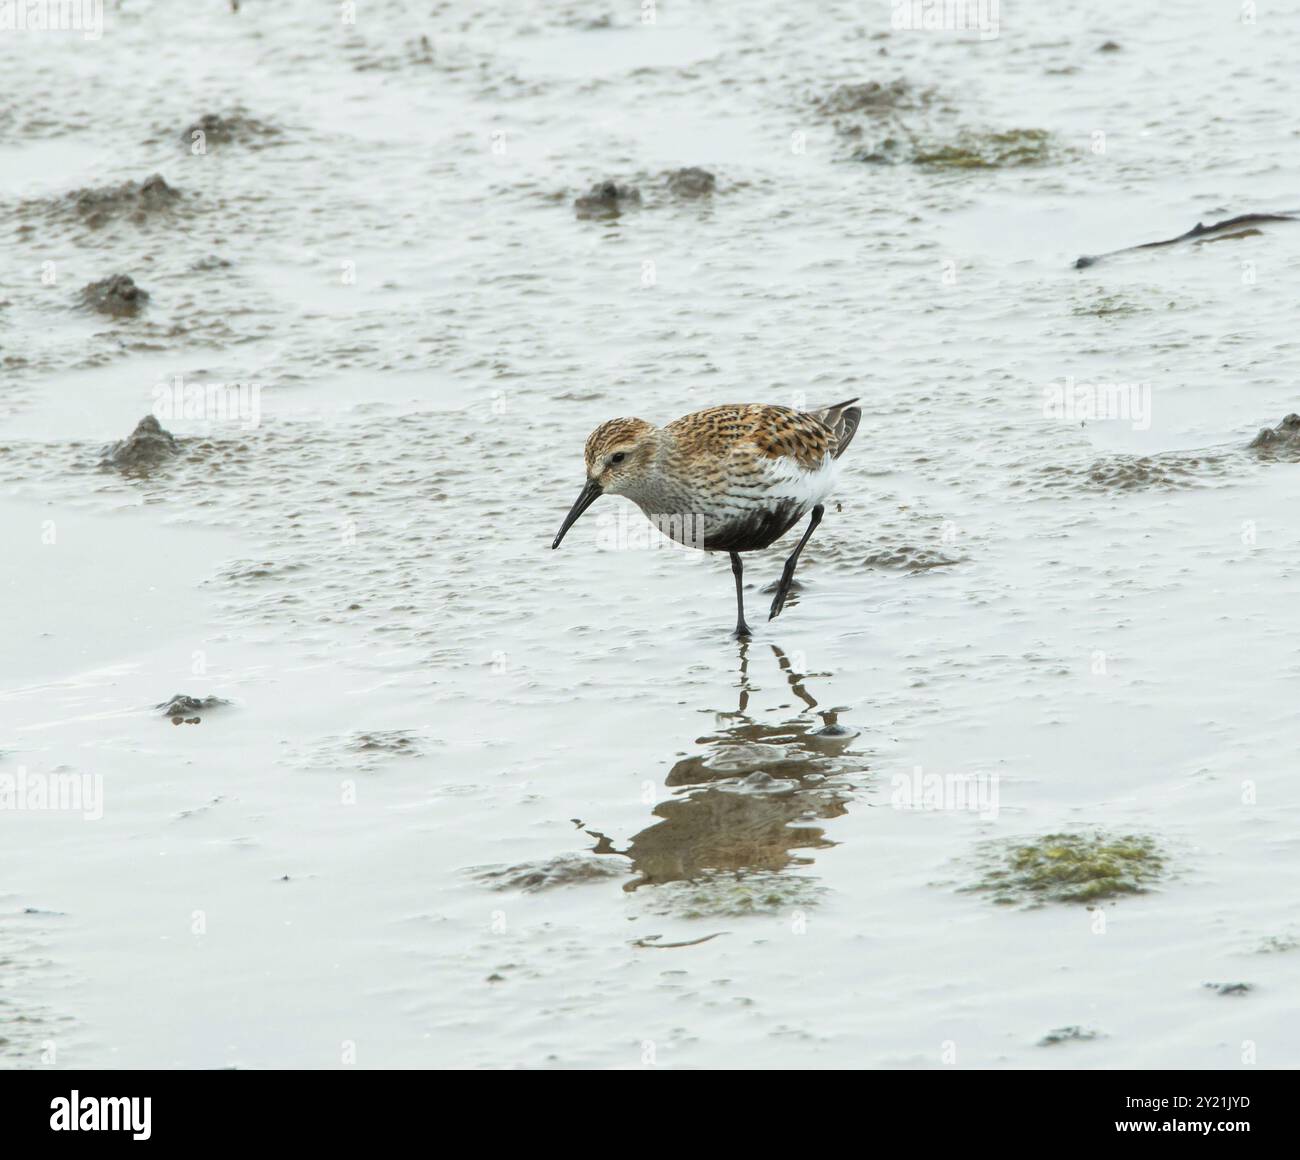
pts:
[586, 497]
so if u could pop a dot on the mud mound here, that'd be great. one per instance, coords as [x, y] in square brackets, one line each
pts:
[214, 130]
[117, 296]
[872, 99]
[607, 199]
[691, 182]
[189, 710]
[148, 446]
[135, 201]
[1280, 442]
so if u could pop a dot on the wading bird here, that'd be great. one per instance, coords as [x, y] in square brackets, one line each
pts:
[733, 478]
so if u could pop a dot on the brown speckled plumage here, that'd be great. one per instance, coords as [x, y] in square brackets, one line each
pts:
[773, 433]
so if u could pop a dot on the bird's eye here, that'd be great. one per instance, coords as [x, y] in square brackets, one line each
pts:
[617, 457]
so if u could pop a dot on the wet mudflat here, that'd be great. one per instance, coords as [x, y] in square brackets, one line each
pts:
[385, 780]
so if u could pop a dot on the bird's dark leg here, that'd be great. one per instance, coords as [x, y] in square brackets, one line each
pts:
[742, 629]
[787, 576]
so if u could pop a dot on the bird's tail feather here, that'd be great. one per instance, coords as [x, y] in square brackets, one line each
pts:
[843, 419]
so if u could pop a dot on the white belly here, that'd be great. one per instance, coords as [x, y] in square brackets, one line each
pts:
[786, 480]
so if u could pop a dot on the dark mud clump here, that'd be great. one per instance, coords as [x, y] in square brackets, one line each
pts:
[137, 201]
[1237, 989]
[887, 151]
[1072, 868]
[148, 446]
[1071, 1034]
[1282, 441]
[922, 132]
[184, 709]
[873, 99]
[399, 742]
[691, 182]
[907, 559]
[606, 200]
[564, 870]
[1009, 149]
[1135, 472]
[857, 109]
[1127, 472]
[233, 128]
[117, 296]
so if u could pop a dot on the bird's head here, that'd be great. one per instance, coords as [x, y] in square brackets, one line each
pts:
[620, 453]
[619, 456]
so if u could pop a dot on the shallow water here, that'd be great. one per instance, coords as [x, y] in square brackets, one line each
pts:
[468, 793]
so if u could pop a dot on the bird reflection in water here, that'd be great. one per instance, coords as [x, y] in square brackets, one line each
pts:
[751, 798]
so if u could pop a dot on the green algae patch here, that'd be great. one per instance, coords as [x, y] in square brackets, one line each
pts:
[1010, 149]
[719, 894]
[1075, 868]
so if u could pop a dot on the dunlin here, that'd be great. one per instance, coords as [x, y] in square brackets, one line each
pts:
[729, 479]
